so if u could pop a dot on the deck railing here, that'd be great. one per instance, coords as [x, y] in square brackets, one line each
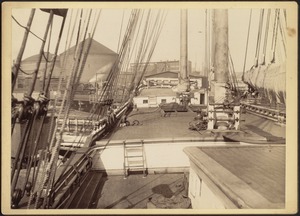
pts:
[266, 112]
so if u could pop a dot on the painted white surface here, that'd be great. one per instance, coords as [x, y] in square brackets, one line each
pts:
[200, 194]
[138, 101]
[157, 155]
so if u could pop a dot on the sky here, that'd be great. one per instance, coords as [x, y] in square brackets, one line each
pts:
[168, 45]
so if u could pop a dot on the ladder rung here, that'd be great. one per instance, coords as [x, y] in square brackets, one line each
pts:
[134, 151]
[137, 166]
[134, 156]
[133, 147]
[135, 162]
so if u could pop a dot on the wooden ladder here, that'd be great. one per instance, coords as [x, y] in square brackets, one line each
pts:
[134, 158]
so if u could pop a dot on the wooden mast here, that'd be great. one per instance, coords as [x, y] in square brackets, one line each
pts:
[183, 73]
[220, 55]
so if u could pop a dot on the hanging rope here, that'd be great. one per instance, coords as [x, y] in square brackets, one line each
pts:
[61, 71]
[15, 69]
[54, 150]
[266, 36]
[275, 28]
[76, 78]
[131, 26]
[283, 36]
[247, 43]
[259, 33]
[34, 78]
[30, 123]
[47, 58]
[39, 131]
[120, 31]
[233, 75]
[27, 29]
[154, 42]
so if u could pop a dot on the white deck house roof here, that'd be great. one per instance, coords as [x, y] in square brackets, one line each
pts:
[152, 92]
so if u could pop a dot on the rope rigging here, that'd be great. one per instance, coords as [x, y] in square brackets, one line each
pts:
[42, 164]
[274, 38]
[47, 177]
[29, 102]
[247, 44]
[266, 37]
[16, 66]
[126, 55]
[27, 29]
[267, 80]
[39, 109]
[33, 148]
[47, 57]
[259, 34]
[283, 35]
[81, 135]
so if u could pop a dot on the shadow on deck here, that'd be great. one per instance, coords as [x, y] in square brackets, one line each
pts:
[115, 192]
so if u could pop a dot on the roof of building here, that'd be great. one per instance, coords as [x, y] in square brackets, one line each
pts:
[96, 48]
[165, 74]
[148, 92]
[35, 58]
[170, 74]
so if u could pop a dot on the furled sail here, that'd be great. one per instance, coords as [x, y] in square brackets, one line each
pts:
[268, 79]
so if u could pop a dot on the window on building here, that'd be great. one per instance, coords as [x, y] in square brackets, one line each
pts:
[20, 85]
[202, 98]
[163, 100]
[145, 101]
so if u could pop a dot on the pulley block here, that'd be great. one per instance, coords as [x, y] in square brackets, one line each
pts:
[16, 197]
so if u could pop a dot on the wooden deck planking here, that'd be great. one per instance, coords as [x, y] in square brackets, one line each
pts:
[133, 192]
[257, 168]
[271, 192]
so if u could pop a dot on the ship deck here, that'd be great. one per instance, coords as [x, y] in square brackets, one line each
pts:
[135, 191]
[115, 192]
[150, 124]
[151, 127]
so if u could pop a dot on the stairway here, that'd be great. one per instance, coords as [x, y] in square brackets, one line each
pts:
[134, 158]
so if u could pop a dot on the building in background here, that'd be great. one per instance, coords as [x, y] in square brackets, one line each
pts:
[158, 67]
[159, 87]
[98, 57]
